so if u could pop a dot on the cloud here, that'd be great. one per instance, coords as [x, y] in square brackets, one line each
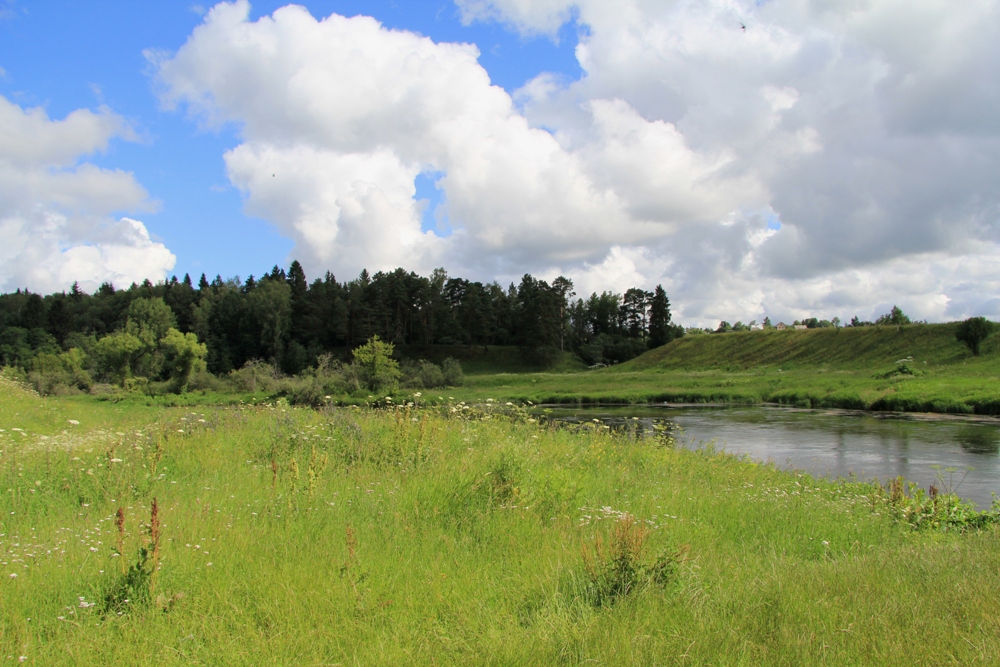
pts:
[338, 117]
[869, 131]
[830, 155]
[531, 17]
[56, 223]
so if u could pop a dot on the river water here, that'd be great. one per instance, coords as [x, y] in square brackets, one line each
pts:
[953, 454]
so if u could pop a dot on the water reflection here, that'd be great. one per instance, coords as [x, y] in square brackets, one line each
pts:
[979, 439]
[953, 455]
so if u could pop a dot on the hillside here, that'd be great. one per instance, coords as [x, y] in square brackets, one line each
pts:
[818, 368]
[846, 348]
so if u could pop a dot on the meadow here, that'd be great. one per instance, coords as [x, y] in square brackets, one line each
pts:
[452, 534]
[915, 368]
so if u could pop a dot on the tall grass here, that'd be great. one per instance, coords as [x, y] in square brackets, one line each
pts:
[453, 536]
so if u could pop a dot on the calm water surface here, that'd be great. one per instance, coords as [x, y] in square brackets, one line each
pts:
[834, 444]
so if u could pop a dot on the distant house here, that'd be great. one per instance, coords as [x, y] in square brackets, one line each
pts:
[801, 326]
[781, 326]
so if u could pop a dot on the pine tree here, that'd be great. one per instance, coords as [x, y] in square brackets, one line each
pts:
[660, 332]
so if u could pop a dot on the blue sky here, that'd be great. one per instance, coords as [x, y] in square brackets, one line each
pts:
[830, 159]
[64, 56]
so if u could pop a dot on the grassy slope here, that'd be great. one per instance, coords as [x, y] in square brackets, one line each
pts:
[465, 547]
[848, 348]
[813, 368]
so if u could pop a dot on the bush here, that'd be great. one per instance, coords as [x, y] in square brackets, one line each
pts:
[452, 370]
[421, 374]
[375, 366]
[255, 376]
[60, 374]
[974, 331]
[202, 380]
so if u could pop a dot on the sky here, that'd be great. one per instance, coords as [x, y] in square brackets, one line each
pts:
[780, 158]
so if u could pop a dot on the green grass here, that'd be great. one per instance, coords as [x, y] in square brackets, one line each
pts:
[844, 348]
[446, 536]
[488, 360]
[829, 368]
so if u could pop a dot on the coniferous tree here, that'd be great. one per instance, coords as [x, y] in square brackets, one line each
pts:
[659, 318]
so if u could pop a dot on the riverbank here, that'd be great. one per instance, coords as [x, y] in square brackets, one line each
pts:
[916, 368]
[965, 390]
[447, 535]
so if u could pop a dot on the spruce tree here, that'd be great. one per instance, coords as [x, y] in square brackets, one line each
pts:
[659, 318]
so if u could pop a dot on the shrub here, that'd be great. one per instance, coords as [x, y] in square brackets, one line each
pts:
[60, 373]
[452, 370]
[255, 376]
[974, 331]
[376, 368]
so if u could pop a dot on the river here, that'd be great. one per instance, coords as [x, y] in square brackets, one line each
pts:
[961, 455]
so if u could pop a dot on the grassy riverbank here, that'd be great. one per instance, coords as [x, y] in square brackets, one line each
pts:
[860, 368]
[292, 536]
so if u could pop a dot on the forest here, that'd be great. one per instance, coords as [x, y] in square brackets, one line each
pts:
[164, 331]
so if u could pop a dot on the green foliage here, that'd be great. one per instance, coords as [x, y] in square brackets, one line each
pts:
[932, 510]
[451, 369]
[183, 355]
[255, 376]
[420, 374]
[270, 307]
[149, 319]
[379, 372]
[115, 355]
[60, 373]
[973, 331]
[904, 367]
[894, 317]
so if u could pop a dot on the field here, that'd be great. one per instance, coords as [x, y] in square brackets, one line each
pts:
[453, 535]
[917, 368]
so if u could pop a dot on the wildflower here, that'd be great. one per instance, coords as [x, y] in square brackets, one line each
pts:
[13, 575]
[417, 395]
[74, 422]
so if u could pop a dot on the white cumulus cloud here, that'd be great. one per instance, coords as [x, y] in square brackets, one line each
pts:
[339, 115]
[56, 223]
[757, 158]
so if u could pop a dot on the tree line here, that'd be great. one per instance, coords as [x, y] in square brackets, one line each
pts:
[289, 322]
